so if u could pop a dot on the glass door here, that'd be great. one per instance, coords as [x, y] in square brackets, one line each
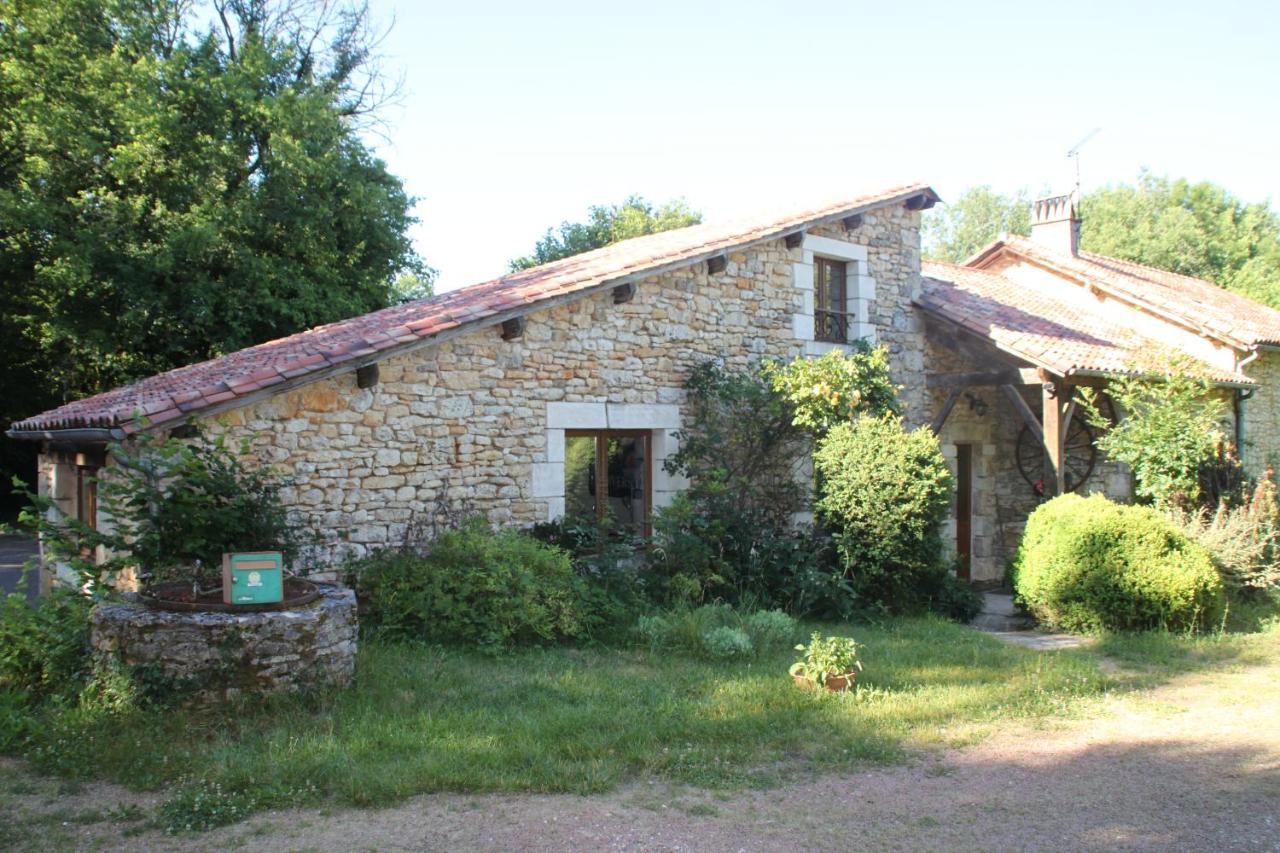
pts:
[607, 474]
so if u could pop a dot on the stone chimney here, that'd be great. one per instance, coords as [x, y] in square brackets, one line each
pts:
[1055, 224]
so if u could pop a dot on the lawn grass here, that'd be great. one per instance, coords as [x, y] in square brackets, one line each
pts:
[1250, 635]
[567, 720]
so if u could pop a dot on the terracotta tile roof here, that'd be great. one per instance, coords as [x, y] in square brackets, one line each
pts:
[1220, 313]
[172, 396]
[1051, 333]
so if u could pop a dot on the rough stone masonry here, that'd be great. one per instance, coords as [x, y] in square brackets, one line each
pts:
[216, 656]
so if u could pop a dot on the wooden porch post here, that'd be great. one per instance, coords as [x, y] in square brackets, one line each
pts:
[1054, 394]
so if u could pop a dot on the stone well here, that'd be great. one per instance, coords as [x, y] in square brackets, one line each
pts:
[220, 655]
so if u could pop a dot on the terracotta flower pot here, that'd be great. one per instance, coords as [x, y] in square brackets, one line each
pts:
[834, 683]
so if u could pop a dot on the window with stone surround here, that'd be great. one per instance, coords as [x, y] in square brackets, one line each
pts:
[830, 302]
[836, 293]
[646, 431]
[606, 473]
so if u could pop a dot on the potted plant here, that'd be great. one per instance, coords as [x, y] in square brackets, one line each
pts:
[830, 662]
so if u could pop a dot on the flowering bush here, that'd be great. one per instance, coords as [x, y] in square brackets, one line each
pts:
[835, 388]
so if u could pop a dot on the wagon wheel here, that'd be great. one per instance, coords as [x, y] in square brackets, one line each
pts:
[1079, 451]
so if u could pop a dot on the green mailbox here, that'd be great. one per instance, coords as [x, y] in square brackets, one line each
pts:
[253, 577]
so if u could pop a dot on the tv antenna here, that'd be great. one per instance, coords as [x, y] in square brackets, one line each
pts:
[1074, 154]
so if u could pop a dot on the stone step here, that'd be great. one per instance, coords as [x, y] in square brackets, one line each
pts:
[999, 623]
[1000, 604]
[1000, 613]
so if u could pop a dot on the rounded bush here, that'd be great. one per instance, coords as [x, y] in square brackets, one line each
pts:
[1089, 564]
[885, 492]
[724, 643]
[476, 586]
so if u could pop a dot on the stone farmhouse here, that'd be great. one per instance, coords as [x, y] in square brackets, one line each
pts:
[557, 390]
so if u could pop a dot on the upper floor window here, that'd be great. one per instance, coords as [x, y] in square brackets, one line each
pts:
[830, 317]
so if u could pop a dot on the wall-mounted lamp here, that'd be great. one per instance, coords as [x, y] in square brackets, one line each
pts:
[977, 405]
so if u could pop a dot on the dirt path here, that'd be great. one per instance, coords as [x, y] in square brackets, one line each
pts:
[1191, 765]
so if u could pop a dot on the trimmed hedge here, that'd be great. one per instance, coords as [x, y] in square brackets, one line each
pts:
[1089, 564]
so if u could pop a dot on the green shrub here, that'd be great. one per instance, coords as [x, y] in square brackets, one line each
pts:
[885, 492]
[606, 558]
[836, 387]
[44, 650]
[770, 629]
[1088, 564]
[725, 643]
[730, 535]
[475, 586]
[717, 631]
[1243, 541]
[176, 506]
[953, 597]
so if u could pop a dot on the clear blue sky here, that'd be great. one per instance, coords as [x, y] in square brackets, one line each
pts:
[518, 115]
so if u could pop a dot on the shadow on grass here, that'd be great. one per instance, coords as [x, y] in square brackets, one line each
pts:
[424, 719]
[1250, 635]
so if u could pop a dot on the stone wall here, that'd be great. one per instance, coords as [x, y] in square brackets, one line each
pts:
[218, 655]
[474, 421]
[1262, 415]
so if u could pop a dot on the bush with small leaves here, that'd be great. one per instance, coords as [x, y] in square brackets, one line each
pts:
[725, 643]
[885, 492]
[1088, 564]
[713, 631]
[475, 585]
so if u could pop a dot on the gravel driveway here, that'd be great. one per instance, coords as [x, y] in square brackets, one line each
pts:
[1191, 765]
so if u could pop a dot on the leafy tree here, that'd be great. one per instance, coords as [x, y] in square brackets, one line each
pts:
[955, 232]
[1196, 229]
[176, 506]
[410, 286]
[1171, 430]
[172, 189]
[608, 224]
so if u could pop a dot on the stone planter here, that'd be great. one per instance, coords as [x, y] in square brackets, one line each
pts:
[217, 656]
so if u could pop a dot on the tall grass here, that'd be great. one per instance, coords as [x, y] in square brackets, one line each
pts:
[575, 720]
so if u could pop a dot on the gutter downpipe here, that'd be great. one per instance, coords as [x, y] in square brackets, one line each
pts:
[1241, 395]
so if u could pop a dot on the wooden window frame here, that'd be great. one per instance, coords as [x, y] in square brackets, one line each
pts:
[602, 437]
[830, 325]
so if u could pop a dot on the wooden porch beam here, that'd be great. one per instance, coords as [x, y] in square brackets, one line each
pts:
[852, 223]
[794, 241]
[1052, 397]
[513, 328]
[1011, 376]
[950, 404]
[624, 293]
[1012, 394]
[717, 263]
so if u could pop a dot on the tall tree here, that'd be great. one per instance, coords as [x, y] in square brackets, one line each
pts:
[608, 224]
[955, 232]
[174, 188]
[1195, 229]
